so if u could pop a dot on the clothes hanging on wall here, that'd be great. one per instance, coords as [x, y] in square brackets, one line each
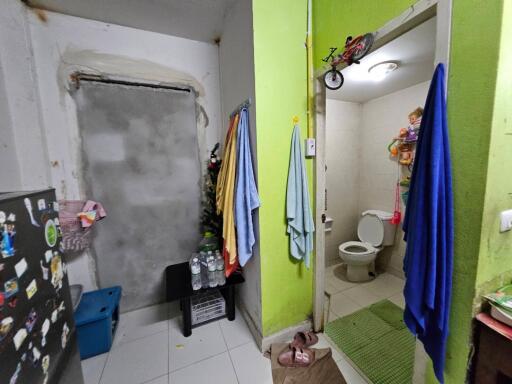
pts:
[246, 194]
[237, 195]
[225, 197]
[428, 228]
[298, 210]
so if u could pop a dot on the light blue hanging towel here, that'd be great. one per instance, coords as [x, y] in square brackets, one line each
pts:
[298, 211]
[246, 194]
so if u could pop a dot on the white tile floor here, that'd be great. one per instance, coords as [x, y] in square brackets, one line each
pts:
[149, 348]
[344, 298]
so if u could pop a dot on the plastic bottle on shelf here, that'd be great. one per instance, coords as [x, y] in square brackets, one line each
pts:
[219, 262]
[209, 243]
[195, 269]
[204, 269]
[212, 269]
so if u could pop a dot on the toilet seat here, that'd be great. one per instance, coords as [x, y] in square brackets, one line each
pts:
[356, 248]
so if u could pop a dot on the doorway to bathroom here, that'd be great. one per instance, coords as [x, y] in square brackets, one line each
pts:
[366, 134]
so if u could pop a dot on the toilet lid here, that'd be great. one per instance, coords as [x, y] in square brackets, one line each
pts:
[370, 230]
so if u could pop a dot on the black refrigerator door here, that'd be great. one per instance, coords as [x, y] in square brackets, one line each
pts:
[37, 329]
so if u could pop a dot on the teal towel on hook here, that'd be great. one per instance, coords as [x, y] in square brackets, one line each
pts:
[298, 209]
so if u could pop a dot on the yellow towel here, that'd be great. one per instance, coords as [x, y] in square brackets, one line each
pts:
[225, 191]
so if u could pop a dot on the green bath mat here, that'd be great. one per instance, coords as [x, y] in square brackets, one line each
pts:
[376, 339]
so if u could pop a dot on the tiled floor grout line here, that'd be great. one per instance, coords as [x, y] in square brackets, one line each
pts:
[229, 353]
[137, 339]
[104, 366]
[154, 378]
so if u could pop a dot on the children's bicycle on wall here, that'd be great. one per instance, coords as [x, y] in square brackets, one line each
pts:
[355, 50]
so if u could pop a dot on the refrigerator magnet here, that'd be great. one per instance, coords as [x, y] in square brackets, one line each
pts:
[31, 289]
[55, 206]
[48, 256]
[3, 217]
[14, 377]
[45, 364]
[44, 270]
[35, 356]
[21, 267]
[2, 300]
[28, 206]
[41, 204]
[31, 320]
[7, 240]
[50, 233]
[11, 287]
[11, 218]
[57, 271]
[19, 338]
[64, 336]
[12, 302]
[5, 327]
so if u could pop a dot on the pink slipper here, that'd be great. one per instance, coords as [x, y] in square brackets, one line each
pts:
[296, 357]
[304, 339]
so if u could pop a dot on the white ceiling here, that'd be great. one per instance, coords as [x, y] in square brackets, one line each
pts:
[413, 50]
[192, 19]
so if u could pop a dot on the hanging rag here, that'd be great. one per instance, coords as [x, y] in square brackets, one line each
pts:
[246, 194]
[225, 197]
[92, 211]
[298, 211]
[428, 228]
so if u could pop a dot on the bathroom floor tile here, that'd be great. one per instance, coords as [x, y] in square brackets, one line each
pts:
[214, 370]
[361, 296]
[385, 285]
[141, 323]
[235, 332]
[349, 373]
[250, 365]
[324, 342]
[398, 299]
[159, 380]
[206, 341]
[137, 361]
[342, 305]
[92, 368]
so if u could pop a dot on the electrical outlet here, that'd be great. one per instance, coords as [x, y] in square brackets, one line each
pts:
[310, 147]
[506, 221]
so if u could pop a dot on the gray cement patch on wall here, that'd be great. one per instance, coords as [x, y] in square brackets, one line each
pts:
[141, 160]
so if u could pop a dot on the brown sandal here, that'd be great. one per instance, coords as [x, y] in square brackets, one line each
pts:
[304, 339]
[296, 357]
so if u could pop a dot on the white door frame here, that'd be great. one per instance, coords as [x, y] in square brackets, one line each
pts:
[409, 19]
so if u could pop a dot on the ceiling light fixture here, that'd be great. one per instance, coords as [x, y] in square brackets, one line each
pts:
[379, 71]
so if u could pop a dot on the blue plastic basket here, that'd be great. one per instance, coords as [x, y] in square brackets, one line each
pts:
[96, 321]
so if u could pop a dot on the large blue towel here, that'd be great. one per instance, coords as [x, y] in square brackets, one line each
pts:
[246, 194]
[428, 227]
[298, 210]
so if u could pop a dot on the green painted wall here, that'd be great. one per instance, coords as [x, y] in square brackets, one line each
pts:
[495, 248]
[280, 79]
[471, 95]
[334, 20]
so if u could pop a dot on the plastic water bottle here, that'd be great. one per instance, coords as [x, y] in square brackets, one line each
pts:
[195, 268]
[212, 269]
[219, 261]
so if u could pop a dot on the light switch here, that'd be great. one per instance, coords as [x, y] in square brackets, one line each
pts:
[310, 147]
[506, 220]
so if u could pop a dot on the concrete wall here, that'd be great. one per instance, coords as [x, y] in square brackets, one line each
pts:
[37, 58]
[141, 160]
[236, 56]
[343, 133]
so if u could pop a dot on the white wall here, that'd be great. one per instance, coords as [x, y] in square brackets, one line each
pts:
[37, 59]
[360, 173]
[23, 145]
[236, 55]
[343, 132]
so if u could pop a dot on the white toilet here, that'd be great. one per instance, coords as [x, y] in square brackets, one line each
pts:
[375, 231]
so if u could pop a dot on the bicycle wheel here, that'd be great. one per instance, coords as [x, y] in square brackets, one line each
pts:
[363, 47]
[333, 79]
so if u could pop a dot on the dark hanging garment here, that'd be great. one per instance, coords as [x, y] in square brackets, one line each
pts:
[428, 228]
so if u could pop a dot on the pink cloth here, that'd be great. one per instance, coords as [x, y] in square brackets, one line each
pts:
[91, 212]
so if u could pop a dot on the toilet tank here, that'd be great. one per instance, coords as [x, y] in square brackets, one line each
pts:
[389, 229]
